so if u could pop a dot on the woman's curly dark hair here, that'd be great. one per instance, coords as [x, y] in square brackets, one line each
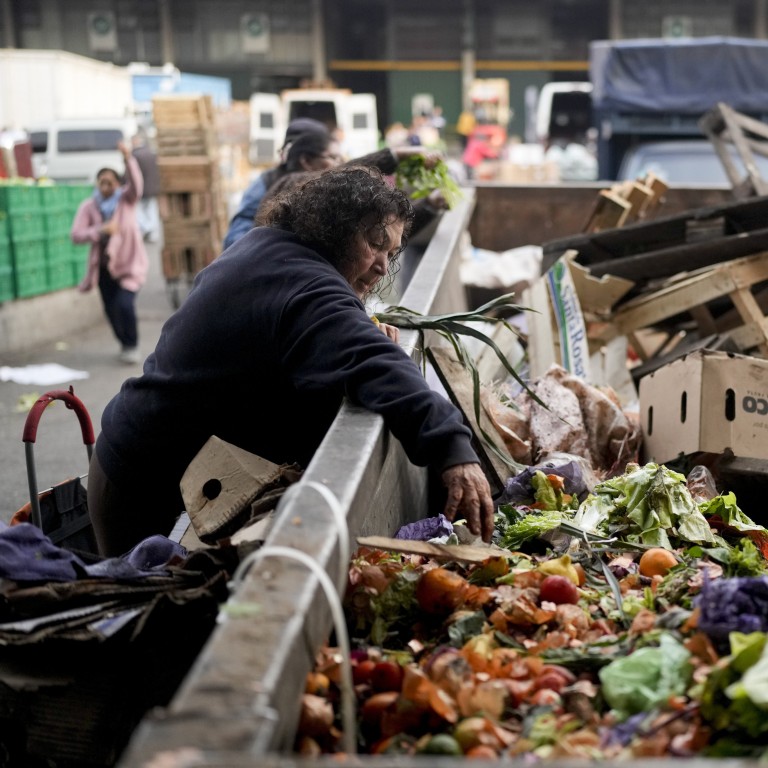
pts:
[329, 210]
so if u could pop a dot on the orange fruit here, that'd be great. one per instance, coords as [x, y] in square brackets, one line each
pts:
[441, 591]
[656, 562]
[482, 752]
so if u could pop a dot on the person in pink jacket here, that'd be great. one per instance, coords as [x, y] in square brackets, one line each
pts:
[117, 260]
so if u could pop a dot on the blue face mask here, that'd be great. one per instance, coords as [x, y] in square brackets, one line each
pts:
[107, 205]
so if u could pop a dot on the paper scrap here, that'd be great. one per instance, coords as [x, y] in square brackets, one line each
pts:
[42, 375]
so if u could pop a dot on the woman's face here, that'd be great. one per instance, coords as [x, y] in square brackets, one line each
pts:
[331, 158]
[107, 183]
[372, 250]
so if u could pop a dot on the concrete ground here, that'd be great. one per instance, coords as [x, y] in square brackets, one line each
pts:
[59, 452]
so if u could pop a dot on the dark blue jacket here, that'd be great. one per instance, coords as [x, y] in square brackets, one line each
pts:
[262, 352]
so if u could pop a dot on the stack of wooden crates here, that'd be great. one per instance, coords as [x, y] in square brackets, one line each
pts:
[192, 203]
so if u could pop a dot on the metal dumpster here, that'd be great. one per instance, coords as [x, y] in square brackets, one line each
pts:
[239, 704]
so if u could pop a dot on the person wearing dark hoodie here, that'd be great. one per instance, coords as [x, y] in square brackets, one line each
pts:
[270, 341]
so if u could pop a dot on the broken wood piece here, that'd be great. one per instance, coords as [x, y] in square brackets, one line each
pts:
[463, 552]
[610, 211]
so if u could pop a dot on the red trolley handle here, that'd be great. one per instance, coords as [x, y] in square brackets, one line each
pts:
[71, 401]
[30, 435]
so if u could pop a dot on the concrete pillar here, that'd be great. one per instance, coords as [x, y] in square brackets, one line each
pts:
[9, 24]
[468, 54]
[166, 32]
[615, 31]
[319, 67]
[761, 22]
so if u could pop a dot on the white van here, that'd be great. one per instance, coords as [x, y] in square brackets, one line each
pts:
[73, 151]
[353, 115]
[564, 113]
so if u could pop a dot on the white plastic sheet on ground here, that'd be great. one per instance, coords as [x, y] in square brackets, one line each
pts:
[42, 375]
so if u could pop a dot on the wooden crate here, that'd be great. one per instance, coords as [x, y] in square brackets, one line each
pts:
[192, 232]
[186, 261]
[187, 174]
[179, 142]
[182, 111]
[189, 205]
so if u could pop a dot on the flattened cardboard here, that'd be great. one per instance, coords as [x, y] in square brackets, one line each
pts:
[708, 401]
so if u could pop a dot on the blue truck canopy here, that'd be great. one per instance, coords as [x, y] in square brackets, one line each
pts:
[679, 76]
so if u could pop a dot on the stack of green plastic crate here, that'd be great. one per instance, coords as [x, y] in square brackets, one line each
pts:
[21, 209]
[7, 289]
[57, 220]
[75, 194]
[36, 252]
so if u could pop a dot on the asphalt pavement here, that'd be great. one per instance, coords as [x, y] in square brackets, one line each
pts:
[59, 452]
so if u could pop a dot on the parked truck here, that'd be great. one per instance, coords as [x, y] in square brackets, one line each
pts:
[352, 115]
[38, 87]
[657, 90]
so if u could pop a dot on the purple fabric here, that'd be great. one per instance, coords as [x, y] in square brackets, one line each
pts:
[428, 528]
[27, 554]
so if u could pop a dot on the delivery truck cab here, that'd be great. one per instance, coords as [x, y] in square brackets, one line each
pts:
[352, 116]
[73, 151]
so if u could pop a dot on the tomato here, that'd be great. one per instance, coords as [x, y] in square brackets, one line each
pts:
[559, 589]
[361, 672]
[386, 676]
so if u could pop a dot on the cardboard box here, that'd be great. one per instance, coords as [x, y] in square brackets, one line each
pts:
[708, 401]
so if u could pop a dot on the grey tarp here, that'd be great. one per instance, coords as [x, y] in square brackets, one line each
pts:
[681, 76]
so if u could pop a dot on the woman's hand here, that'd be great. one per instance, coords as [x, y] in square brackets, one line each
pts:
[109, 227]
[390, 331]
[125, 149]
[470, 496]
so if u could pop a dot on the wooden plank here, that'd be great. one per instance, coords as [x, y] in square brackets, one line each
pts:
[671, 261]
[461, 553]
[691, 292]
[458, 384]
[750, 311]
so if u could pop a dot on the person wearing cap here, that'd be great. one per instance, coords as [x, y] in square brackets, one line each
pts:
[314, 151]
[242, 221]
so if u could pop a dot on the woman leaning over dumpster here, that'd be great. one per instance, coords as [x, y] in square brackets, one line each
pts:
[271, 338]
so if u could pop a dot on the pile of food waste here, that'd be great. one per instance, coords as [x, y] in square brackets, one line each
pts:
[623, 623]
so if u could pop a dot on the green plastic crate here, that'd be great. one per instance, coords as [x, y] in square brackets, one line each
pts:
[29, 252]
[53, 196]
[26, 222]
[60, 275]
[7, 291]
[19, 196]
[76, 193]
[58, 249]
[6, 254]
[78, 270]
[31, 281]
[57, 221]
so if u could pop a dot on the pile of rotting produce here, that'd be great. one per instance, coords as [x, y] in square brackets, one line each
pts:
[619, 621]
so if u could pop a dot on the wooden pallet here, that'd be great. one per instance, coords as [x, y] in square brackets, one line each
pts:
[182, 111]
[692, 293]
[186, 261]
[196, 205]
[176, 142]
[187, 174]
[726, 128]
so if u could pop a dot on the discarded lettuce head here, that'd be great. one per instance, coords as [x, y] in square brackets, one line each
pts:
[426, 529]
[734, 698]
[647, 505]
[646, 678]
[733, 605]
